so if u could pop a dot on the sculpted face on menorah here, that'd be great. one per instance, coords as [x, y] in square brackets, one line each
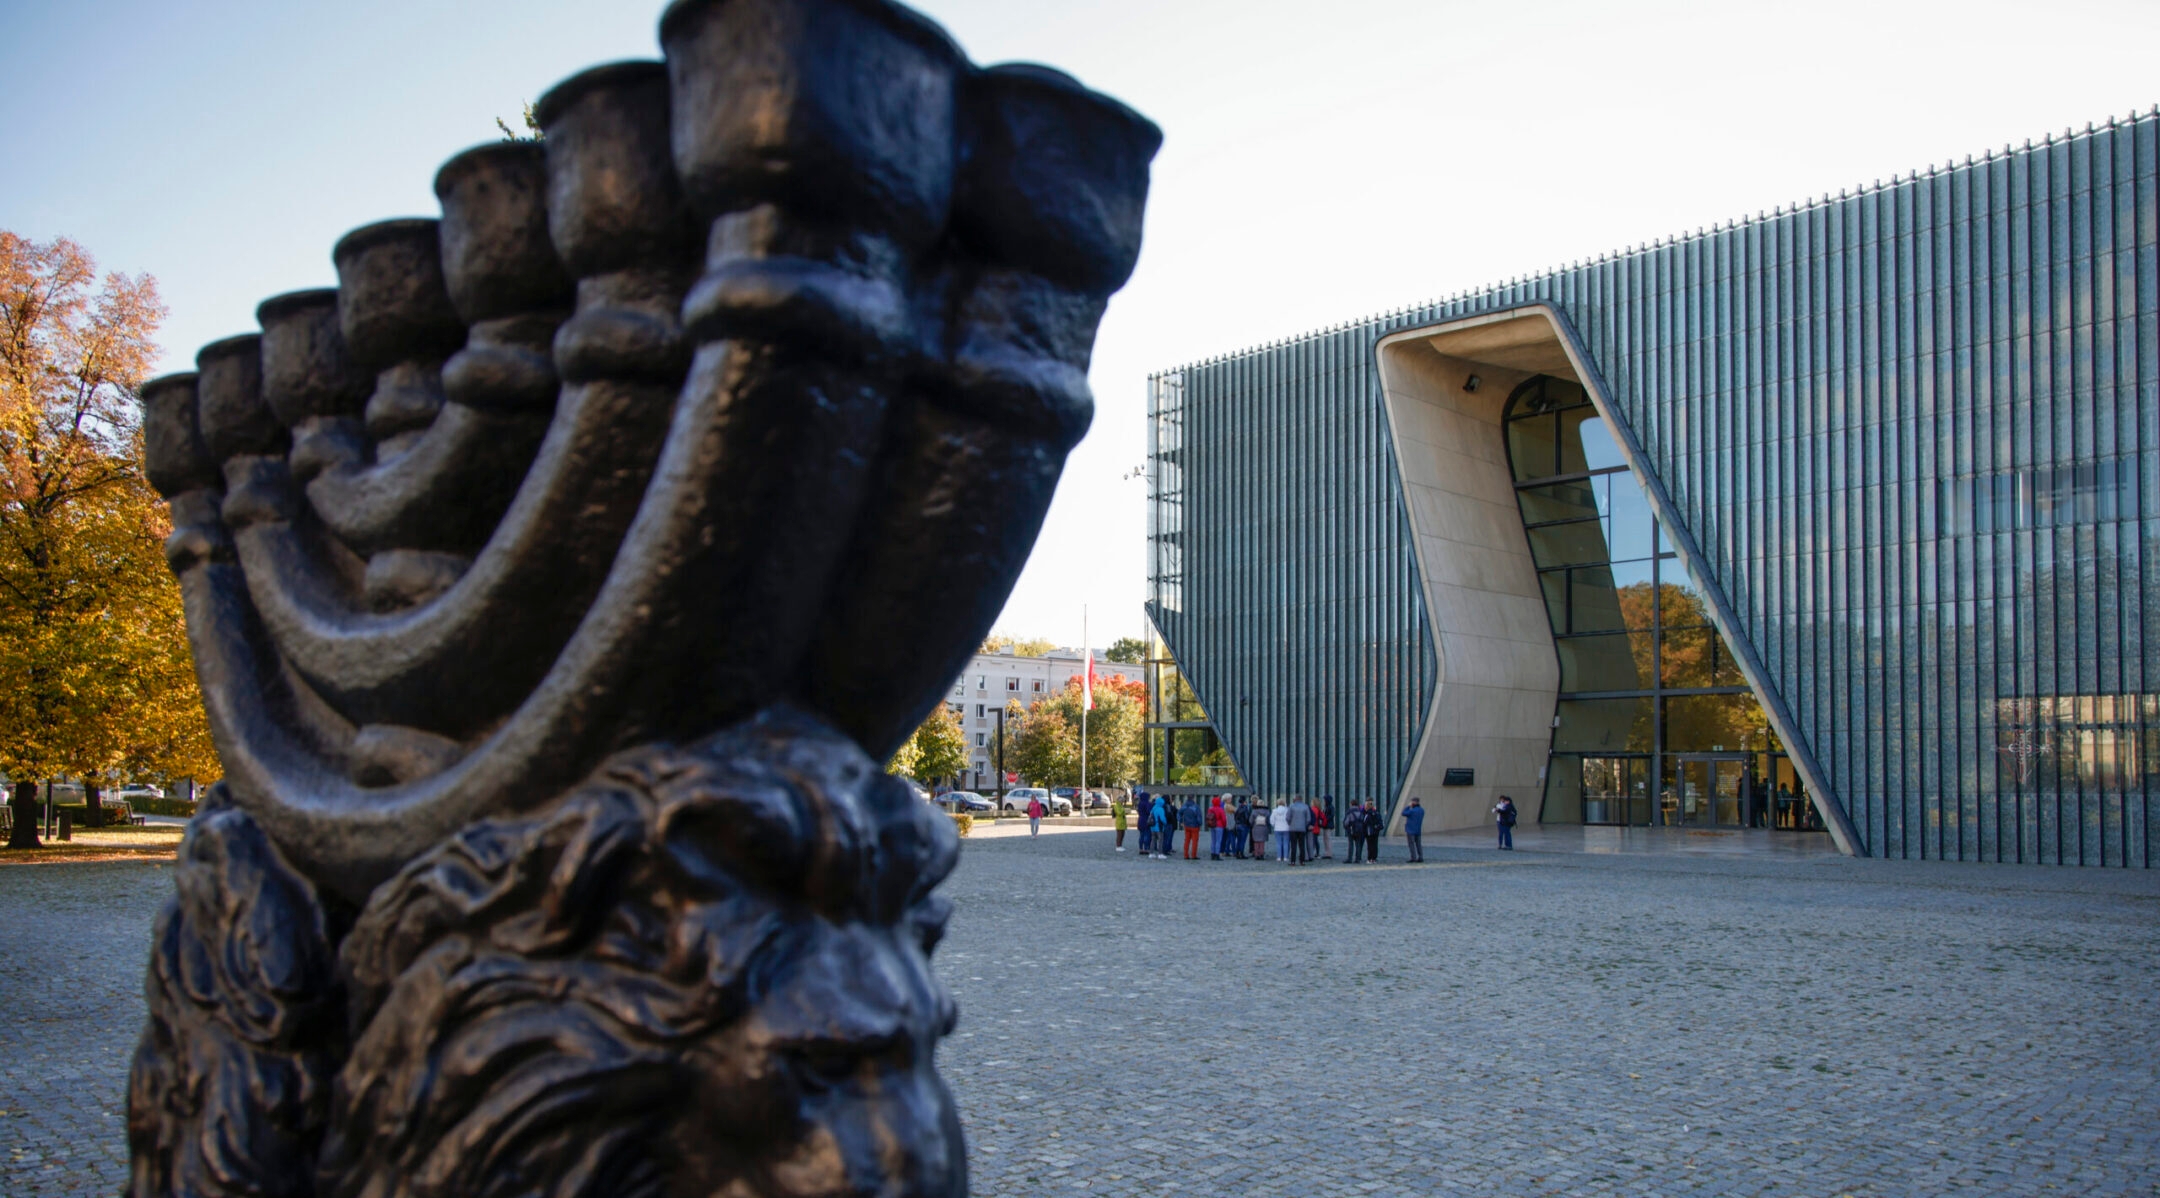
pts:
[557, 584]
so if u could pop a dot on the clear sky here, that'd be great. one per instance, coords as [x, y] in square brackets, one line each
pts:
[1322, 160]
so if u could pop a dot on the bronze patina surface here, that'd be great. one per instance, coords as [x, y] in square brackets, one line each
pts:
[558, 582]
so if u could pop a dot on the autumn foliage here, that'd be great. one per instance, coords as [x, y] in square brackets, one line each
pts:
[1046, 737]
[96, 680]
[937, 749]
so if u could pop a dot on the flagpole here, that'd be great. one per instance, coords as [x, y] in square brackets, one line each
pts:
[1087, 700]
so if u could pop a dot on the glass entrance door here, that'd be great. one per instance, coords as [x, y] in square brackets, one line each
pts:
[1703, 791]
[1616, 790]
[1784, 799]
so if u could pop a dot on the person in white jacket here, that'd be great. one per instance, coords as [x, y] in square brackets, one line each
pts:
[1279, 820]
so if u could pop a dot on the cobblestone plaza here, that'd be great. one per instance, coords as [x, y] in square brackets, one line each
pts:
[1536, 1023]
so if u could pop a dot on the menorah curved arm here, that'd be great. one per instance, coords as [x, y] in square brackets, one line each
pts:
[598, 693]
[444, 493]
[456, 661]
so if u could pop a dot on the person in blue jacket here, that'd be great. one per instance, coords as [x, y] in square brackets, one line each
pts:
[1413, 826]
[1190, 819]
[1504, 816]
[1144, 812]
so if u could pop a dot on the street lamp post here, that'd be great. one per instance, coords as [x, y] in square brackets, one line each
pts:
[1000, 714]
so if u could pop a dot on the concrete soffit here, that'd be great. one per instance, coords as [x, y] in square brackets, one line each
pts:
[1538, 339]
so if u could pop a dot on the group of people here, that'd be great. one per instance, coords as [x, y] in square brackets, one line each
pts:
[1241, 829]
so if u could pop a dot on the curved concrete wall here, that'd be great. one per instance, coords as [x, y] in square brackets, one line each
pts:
[1499, 678]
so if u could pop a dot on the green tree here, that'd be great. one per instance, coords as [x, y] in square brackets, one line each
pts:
[95, 673]
[1044, 746]
[937, 748]
[533, 132]
[1203, 771]
[1046, 739]
[999, 642]
[906, 759]
[1130, 650]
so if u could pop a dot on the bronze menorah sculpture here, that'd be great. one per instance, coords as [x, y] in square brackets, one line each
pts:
[557, 583]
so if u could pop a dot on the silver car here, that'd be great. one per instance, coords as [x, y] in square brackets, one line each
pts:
[1016, 801]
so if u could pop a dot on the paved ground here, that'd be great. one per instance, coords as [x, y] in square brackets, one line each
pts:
[73, 942]
[1636, 1023]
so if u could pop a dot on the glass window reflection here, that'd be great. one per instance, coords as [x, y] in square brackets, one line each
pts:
[1614, 661]
[1714, 724]
[1573, 459]
[1629, 528]
[1533, 447]
[1599, 450]
[1612, 725]
[1560, 501]
[1633, 630]
[1680, 605]
[1567, 544]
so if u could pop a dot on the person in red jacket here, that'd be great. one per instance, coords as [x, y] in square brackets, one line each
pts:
[1035, 813]
[1215, 823]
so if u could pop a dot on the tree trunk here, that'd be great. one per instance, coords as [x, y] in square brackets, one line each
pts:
[93, 812]
[25, 807]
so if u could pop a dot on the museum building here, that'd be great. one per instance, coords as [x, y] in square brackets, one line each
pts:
[1843, 520]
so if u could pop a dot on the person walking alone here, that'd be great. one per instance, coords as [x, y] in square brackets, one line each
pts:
[1035, 814]
[1189, 816]
[1117, 819]
[1353, 830]
[1413, 826]
[1504, 815]
[1375, 824]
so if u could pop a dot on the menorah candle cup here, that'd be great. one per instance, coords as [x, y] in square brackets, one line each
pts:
[310, 383]
[241, 432]
[502, 275]
[1046, 223]
[1050, 204]
[178, 464]
[619, 223]
[398, 322]
[817, 138]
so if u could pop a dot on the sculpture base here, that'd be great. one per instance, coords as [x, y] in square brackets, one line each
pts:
[705, 969]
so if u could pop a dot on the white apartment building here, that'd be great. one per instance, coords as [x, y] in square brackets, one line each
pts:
[992, 680]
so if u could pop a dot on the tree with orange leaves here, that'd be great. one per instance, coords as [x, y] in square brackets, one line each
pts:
[95, 674]
[1046, 740]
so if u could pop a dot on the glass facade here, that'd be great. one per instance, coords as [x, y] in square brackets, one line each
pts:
[1281, 574]
[1183, 750]
[1909, 439]
[1656, 725]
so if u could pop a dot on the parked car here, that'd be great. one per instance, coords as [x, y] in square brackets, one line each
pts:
[1017, 800]
[1098, 800]
[965, 800]
[138, 791]
[1068, 798]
